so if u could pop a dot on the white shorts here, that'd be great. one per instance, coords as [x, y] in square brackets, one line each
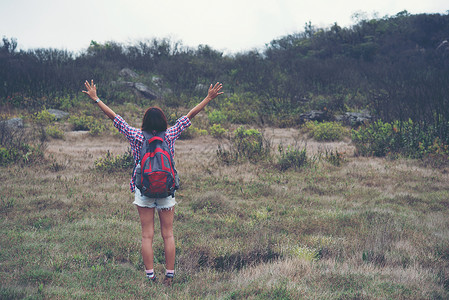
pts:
[159, 203]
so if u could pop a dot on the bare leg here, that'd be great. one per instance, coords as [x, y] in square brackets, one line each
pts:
[147, 222]
[166, 217]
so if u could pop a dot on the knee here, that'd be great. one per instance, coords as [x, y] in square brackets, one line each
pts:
[148, 236]
[167, 234]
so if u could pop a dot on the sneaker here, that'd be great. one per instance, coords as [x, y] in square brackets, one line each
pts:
[152, 279]
[168, 280]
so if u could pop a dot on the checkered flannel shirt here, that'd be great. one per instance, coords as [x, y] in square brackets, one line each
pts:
[135, 138]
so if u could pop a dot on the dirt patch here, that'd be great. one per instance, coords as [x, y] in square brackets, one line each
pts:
[80, 150]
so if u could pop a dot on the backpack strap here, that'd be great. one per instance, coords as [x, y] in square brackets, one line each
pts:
[155, 138]
[150, 137]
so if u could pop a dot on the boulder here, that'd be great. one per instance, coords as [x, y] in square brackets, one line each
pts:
[354, 118]
[14, 123]
[128, 73]
[146, 91]
[59, 114]
[157, 81]
[314, 115]
[140, 88]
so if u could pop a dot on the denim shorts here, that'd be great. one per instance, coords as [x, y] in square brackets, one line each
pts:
[159, 203]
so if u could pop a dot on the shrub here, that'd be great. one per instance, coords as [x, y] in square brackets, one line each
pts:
[374, 139]
[216, 117]
[305, 253]
[291, 158]
[406, 138]
[44, 117]
[19, 146]
[217, 131]
[110, 163]
[87, 123]
[54, 132]
[326, 131]
[250, 144]
[246, 144]
[238, 108]
[7, 156]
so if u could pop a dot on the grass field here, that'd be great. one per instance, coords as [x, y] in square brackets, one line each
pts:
[370, 228]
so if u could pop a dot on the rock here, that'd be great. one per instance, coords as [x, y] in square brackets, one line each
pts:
[146, 91]
[139, 87]
[201, 87]
[128, 73]
[157, 81]
[314, 115]
[59, 114]
[355, 118]
[14, 123]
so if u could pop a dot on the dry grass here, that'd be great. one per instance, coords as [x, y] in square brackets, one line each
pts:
[368, 229]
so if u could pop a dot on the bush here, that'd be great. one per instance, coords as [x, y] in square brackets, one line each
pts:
[7, 156]
[238, 109]
[110, 163]
[406, 138]
[216, 117]
[54, 132]
[87, 123]
[373, 140]
[44, 117]
[217, 131]
[291, 158]
[19, 146]
[326, 131]
[246, 144]
[250, 144]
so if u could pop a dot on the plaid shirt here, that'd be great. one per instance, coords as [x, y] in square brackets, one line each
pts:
[135, 138]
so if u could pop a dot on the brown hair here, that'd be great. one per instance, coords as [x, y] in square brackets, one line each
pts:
[154, 120]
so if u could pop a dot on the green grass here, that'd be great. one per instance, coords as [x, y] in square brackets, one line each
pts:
[366, 228]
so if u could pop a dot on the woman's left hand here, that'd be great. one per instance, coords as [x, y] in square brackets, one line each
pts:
[214, 91]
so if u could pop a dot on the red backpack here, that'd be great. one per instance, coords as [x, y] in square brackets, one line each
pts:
[156, 176]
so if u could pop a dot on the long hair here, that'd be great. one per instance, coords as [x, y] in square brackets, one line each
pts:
[154, 120]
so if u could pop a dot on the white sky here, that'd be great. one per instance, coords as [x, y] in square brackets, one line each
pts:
[229, 26]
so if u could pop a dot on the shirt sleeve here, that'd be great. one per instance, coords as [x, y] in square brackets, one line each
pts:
[175, 131]
[124, 128]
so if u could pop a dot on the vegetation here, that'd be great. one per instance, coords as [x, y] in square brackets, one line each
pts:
[414, 140]
[293, 225]
[292, 158]
[17, 146]
[395, 66]
[325, 131]
[110, 163]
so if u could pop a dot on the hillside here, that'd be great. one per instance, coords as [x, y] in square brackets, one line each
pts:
[397, 67]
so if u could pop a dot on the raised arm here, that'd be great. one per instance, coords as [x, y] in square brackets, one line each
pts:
[92, 93]
[213, 92]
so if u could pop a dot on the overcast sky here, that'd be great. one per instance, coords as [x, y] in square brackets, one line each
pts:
[229, 26]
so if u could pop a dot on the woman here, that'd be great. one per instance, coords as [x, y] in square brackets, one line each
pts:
[154, 120]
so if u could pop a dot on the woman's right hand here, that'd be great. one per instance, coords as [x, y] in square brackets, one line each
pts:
[91, 90]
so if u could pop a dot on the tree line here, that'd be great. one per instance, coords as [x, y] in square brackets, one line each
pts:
[396, 66]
